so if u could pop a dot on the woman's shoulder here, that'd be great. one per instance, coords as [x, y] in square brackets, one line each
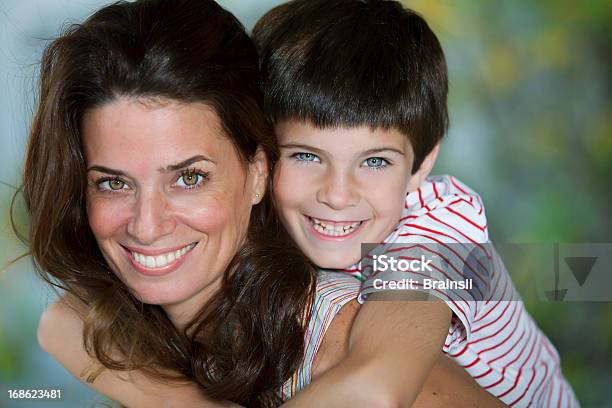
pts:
[333, 291]
[60, 333]
[335, 343]
[337, 287]
[327, 334]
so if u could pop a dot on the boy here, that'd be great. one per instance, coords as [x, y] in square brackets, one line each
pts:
[357, 91]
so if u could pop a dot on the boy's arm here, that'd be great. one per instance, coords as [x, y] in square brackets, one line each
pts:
[393, 346]
[60, 333]
[449, 385]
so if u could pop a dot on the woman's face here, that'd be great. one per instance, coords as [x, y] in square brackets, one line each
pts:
[168, 197]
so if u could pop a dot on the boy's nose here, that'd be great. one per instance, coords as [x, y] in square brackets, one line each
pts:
[338, 191]
[151, 218]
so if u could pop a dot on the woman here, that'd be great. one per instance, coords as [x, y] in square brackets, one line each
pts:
[149, 148]
[144, 179]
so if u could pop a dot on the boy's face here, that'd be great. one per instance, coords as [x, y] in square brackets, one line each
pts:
[337, 188]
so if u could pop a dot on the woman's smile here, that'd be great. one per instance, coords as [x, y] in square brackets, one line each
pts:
[158, 262]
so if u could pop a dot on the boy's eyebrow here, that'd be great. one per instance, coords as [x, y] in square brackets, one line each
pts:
[383, 149]
[369, 151]
[300, 146]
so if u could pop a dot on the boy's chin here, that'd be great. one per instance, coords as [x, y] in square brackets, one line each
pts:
[335, 260]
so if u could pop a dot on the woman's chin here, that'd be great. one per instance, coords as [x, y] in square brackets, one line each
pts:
[174, 293]
[156, 294]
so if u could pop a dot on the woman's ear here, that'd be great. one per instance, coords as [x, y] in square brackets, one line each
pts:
[259, 171]
[421, 174]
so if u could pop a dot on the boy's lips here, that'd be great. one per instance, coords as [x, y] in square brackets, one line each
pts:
[333, 230]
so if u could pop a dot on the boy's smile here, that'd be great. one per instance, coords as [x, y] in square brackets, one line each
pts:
[334, 230]
[337, 188]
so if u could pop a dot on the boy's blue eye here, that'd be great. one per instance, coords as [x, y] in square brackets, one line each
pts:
[307, 157]
[375, 162]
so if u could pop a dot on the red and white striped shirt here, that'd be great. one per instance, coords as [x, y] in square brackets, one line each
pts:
[493, 337]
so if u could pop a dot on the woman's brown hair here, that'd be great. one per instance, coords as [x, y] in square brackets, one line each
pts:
[248, 338]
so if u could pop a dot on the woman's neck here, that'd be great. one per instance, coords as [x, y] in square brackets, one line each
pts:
[181, 314]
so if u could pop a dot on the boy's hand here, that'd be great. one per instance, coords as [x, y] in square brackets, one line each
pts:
[392, 348]
[398, 337]
[60, 333]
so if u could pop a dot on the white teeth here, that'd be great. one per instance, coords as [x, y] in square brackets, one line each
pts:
[331, 230]
[162, 260]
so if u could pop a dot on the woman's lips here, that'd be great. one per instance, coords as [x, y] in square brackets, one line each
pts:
[158, 262]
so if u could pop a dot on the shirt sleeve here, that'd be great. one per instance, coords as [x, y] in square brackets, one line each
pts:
[441, 249]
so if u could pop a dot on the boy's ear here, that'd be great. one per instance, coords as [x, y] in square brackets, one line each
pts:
[421, 174]
[258, 170]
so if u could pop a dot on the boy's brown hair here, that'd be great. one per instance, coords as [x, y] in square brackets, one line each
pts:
[353, 63]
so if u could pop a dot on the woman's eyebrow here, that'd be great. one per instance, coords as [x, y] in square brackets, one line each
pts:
[187, 162]
[172, 167]
[107, 170]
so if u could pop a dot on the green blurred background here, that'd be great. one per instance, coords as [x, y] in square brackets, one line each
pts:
[531, 131]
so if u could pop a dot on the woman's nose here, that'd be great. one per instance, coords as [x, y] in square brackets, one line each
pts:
[151, 218]
[339, 190]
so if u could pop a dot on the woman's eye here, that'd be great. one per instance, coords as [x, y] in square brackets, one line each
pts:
[111, 185]
[307, 157]
[375, 162]
[191, 179]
